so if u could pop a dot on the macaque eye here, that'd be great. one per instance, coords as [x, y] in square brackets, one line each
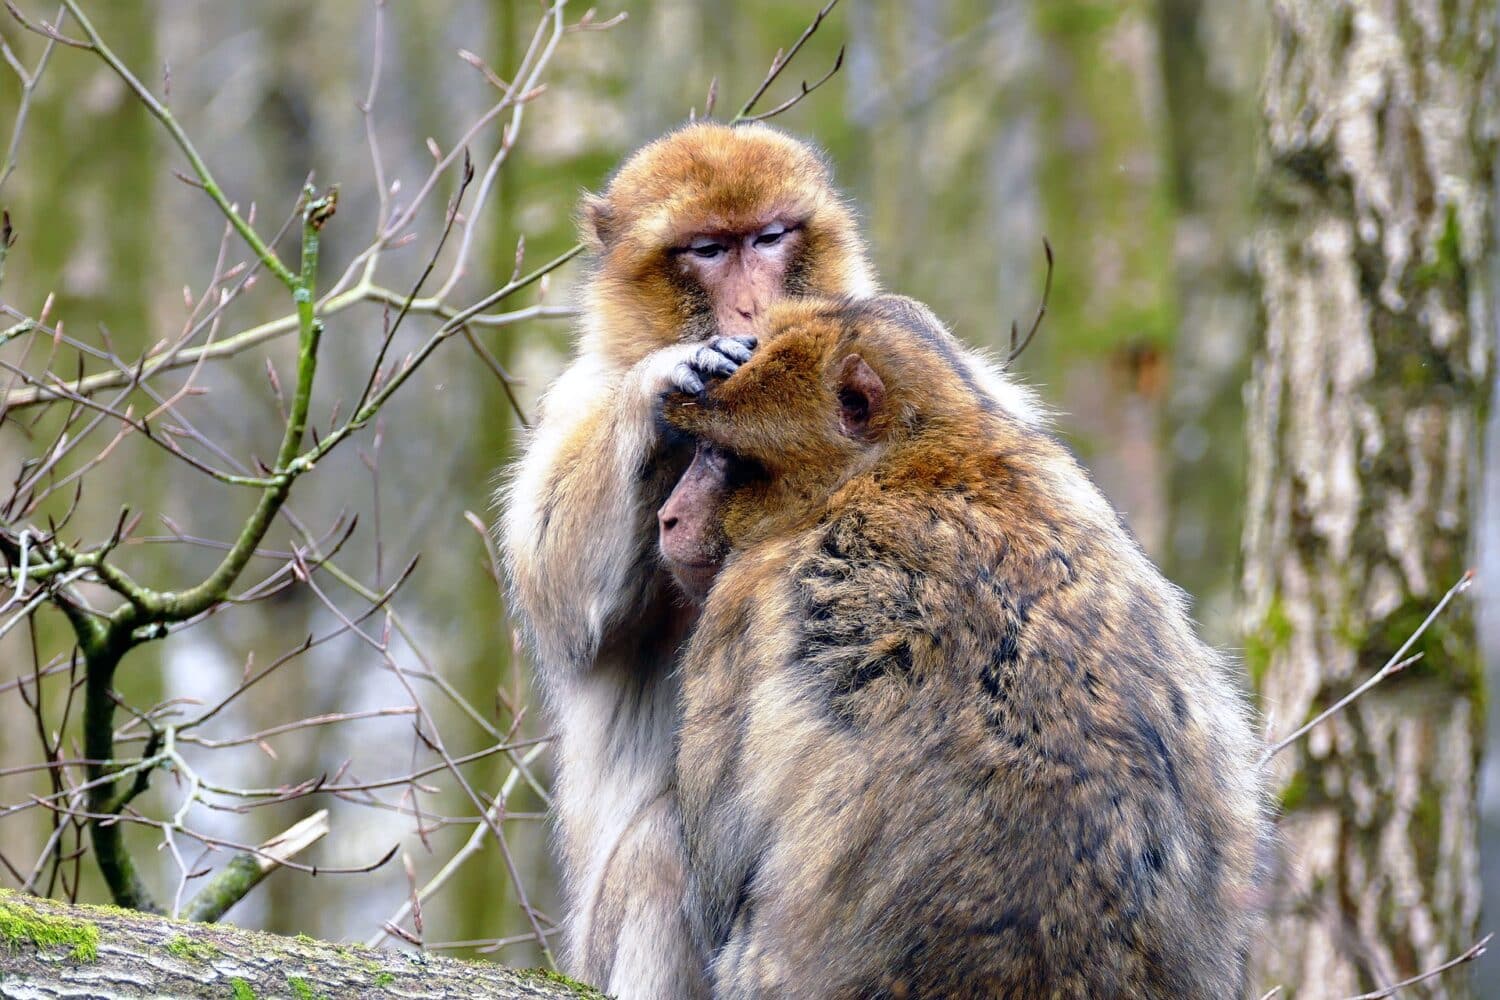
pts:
[771, 235]
[707, 249]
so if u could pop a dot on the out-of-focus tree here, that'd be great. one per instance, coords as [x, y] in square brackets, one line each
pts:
[1106, 196]
[92, 252]
[1364, 416]
[1212, 57]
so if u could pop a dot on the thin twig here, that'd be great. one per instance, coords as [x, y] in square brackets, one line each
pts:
[795, 99]
[470, 848]
[1041, 310]
[28, 88]
[1394, 665]
[1474, 951]
[782, 61]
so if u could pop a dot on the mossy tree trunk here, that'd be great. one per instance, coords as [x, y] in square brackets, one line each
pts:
[1364, 413]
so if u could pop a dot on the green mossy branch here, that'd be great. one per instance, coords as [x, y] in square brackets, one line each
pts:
[233, 882]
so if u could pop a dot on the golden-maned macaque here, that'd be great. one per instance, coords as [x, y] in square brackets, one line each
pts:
[692, 240]
[946, 732]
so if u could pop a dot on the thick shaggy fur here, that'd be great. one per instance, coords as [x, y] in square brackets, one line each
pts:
[579, 530]
[947, 731]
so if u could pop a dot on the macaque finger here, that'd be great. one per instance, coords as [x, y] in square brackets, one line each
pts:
[685, 379]
[736, 349]
[710, 361]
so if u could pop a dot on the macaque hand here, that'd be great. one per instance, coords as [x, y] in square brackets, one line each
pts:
[720, 357]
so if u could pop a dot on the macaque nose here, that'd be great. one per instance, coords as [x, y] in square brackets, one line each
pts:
[667, 521]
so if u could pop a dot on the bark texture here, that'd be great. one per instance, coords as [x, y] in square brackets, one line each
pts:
[49, 949]
[1364, 417]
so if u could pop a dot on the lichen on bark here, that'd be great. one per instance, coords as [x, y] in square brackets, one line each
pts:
[1363, 420]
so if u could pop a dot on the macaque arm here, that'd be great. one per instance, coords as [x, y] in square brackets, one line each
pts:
[579, 524]
[576, 521]
[641, 947]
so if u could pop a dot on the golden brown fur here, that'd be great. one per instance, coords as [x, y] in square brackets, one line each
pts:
[707, 178]
[601, 615]
[947, 732]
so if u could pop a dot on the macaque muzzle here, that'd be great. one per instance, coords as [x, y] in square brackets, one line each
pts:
[690, 527]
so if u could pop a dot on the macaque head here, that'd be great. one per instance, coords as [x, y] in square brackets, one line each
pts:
[702, 230]
[690, 527]
[834, 390]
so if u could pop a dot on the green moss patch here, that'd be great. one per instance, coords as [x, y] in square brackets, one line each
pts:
[302, 988]
[549, 976]
[1446, 263]
[1296, 791]
[189, 950]
[19, 926]
[1272, 636]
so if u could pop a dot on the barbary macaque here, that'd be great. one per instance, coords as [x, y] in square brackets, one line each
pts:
[947, 732]
[695, 236]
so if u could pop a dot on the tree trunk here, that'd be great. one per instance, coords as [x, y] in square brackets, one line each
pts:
[1364, 417]
[1212, 57]
[99, 254]
[1106, 193]
[50, 949]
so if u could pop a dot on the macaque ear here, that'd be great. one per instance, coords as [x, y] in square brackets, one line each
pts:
[596, 222]
[861, 397]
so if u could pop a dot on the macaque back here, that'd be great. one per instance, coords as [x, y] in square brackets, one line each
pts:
[947, 731]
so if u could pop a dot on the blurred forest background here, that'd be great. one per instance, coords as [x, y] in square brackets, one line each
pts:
[1126, 132]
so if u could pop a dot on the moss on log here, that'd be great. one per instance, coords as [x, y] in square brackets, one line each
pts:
[51, 949]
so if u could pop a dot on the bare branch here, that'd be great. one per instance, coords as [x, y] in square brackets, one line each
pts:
[1392, 666]
[782, 61]
[795, 99]
[1017, 349]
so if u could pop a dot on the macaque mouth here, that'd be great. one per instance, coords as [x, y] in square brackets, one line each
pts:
[694, 579]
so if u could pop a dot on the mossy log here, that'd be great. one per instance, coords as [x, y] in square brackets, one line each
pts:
[51, 949]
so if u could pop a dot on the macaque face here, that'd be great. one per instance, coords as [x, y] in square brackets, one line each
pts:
[742, 273]
[690, 529]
